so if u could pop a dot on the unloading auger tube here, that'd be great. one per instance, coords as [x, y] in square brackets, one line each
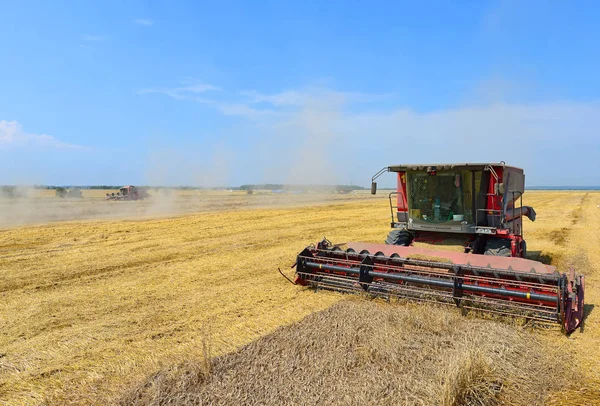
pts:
[508, 286]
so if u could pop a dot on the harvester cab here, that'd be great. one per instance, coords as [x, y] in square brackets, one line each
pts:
[127, 191]
[478, 203]
[481, 202]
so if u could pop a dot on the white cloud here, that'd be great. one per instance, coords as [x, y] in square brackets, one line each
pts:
[286, 98]
[12, 134]
[143, 21]
[251, 104]
[93, 38]
[309, 95]
[197, 88]
[182, 93]
[555, 142]
[228, 108]
[243, 110]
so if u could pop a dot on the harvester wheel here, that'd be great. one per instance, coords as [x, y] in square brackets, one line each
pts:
[499, 247]
[523, 249]
[399, 237]
[478, 246]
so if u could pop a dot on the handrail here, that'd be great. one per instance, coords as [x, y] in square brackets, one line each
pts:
[392, 207]
[381, 172]
[492, 170]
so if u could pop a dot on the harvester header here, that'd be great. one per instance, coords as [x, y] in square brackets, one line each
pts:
[480, 204]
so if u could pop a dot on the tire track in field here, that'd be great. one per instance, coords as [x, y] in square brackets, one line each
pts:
[561, 235]
[584, 344]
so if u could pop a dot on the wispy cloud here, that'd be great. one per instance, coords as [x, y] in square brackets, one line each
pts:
[286, 98]
[93, 38]
[12, 134]
[259, 106]
[243, 110]
[197, 93]
[143, 21]
[321, 135]
[198, 88]
[532, 136]
[181, 93]
[306, 95]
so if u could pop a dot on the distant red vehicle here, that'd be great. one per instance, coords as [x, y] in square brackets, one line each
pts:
[128, 193]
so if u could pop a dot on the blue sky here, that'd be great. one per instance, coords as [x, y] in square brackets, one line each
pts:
[225, 93]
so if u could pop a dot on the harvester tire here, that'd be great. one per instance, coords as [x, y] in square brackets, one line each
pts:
[399, 237]
[524, 249]
[498, 247]
[478, 246]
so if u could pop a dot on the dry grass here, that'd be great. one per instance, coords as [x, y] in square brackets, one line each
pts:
[361, 352]
[88, 309]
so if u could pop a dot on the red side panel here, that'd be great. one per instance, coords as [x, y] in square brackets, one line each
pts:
[402, 204]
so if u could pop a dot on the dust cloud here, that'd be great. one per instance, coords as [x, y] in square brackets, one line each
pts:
[40, 206]
[315, 128]
[295, 148]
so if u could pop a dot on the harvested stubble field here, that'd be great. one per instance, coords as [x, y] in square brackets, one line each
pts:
[191, 309]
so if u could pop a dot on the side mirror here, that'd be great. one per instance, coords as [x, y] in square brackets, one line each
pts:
[373, 188]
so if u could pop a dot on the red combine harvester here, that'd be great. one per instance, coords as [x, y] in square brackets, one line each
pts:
[479, 203]
[128, 193]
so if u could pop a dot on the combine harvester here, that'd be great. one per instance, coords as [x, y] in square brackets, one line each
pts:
[128, 193]
[479, 203]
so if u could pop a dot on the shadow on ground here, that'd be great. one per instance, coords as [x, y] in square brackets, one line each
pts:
[587, 310]
[538, 256]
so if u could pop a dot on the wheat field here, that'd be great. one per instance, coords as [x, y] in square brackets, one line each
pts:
[90, 308]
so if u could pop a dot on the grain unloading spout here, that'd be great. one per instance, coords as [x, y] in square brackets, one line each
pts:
[509, 286]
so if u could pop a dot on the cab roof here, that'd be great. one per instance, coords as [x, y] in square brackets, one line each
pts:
[441, 167]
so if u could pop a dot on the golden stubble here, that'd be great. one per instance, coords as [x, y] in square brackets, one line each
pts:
[90, 308]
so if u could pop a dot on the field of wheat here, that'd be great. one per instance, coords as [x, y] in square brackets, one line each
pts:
[92, 309]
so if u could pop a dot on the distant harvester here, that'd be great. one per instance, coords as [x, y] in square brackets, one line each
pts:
[128, 193]
[68, 193]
